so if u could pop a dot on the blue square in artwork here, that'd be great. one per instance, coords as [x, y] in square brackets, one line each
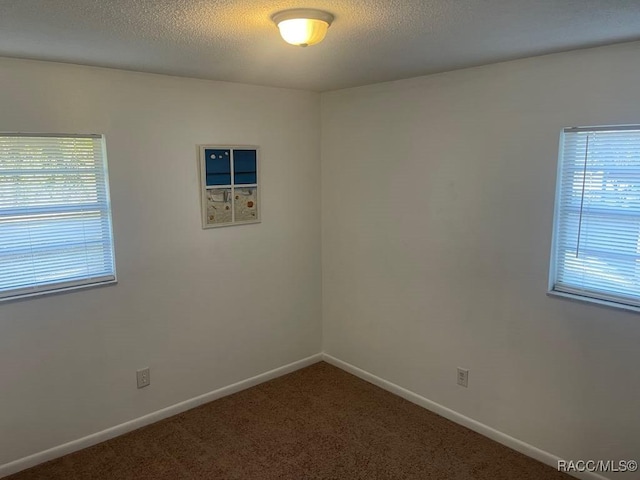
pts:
[218, 166]
[244, 167]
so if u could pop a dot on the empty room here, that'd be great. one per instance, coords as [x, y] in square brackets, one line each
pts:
[321, 239]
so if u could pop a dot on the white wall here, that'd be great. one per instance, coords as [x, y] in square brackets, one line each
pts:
[437, 207]
[202, 308]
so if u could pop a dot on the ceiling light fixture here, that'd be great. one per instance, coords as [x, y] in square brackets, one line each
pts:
[303, 26]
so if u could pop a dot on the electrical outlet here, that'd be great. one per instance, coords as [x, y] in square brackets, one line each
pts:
[144, 377]
[463, 377]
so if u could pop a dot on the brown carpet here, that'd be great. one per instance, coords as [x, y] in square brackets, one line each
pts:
[316, 423]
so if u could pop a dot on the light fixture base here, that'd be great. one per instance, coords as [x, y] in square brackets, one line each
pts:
[309, 13]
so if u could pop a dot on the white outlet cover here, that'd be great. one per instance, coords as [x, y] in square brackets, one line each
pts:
[144, 377]
[463, 377]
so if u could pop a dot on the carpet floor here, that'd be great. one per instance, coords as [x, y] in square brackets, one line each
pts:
[316, 423]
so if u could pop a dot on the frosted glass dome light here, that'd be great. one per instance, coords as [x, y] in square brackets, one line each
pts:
[303, 26]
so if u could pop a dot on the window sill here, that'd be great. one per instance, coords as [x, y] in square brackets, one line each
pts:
[584, 299]
[57, 291]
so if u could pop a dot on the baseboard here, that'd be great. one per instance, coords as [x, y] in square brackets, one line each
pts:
[511, 442]
[109, 433]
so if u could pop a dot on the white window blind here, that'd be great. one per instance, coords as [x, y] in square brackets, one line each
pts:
[55, 219]
[597, 225]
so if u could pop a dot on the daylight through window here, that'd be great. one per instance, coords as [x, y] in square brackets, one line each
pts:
[55, 218]
[596, 248]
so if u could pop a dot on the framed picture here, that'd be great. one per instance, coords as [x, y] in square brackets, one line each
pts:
[230, 185]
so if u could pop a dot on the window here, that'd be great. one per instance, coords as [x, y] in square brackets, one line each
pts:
[229, 183]
[55, 218]
[596, 245]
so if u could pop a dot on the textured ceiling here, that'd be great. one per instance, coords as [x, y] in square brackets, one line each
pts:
[370, 40]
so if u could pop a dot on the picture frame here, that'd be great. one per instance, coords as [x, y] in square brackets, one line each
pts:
[229, 184]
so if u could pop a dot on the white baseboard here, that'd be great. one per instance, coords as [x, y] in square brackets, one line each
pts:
[109, 433]
[513, 443]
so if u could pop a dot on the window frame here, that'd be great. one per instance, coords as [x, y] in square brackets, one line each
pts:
[88, 282]
[601, 299]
